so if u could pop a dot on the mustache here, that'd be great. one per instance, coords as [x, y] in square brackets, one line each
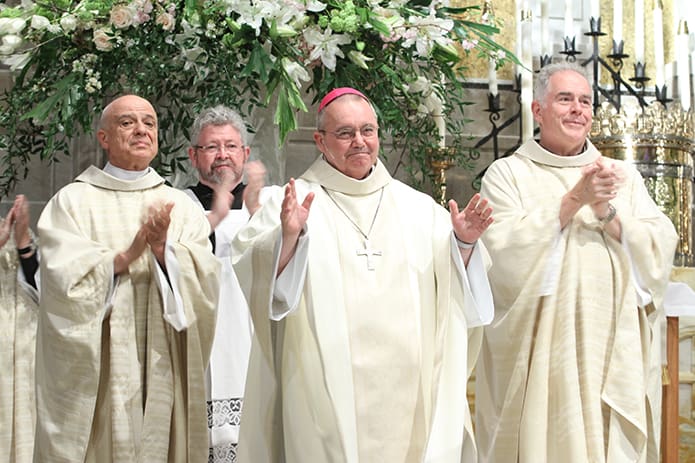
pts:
[216, 164]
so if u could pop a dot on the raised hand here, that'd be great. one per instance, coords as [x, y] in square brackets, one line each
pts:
[473, 220]
[255, 181]
[222, 198]
[293, 217]
[156, 225]
[22, 236]
[599, 183]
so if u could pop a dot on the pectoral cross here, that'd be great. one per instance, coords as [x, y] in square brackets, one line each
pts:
[368, 252]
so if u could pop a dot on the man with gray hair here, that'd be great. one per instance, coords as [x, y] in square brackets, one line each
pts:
[570, 366]
[219, 151]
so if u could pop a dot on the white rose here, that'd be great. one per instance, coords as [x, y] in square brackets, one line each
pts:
[10, 43]
[39, 22]
[102, 40]
[11, 25]
[167, 21]
[121, 17]
[68, 22]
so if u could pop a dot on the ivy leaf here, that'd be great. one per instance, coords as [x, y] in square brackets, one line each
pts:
[259, 63]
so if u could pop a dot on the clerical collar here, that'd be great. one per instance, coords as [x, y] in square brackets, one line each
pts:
[124, 174]
[534, 151]
[322, 173]
[205, 195]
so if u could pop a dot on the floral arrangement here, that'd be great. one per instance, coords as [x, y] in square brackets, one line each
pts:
[69, 58]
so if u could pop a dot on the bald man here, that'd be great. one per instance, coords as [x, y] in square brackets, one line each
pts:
[128, 309]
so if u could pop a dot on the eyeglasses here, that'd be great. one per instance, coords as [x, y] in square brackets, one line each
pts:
[349, 133]
[214, 149]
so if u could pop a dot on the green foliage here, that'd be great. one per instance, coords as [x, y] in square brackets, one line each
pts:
[70, 58]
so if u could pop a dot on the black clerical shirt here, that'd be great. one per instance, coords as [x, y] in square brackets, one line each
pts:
[205, 194]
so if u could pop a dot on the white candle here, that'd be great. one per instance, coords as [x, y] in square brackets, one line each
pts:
[595, 9]
[683, 65]
[546, 43]
[659, 44]
[517, 21]
[569, 21]
[639, 31]
[440, 122]
[617, 21]
[526, 77]
[492, 76]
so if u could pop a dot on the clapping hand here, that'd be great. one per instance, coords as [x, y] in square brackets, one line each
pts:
[255, 181]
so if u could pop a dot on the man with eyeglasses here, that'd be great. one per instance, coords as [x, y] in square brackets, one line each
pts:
[363, 291]
[219, 153]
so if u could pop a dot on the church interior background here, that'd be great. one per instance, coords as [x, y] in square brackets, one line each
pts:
[653, 71]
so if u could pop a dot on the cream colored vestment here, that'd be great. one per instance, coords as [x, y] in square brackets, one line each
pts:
[367, 365]
[18, 312]
[115, 380]
[570, 368]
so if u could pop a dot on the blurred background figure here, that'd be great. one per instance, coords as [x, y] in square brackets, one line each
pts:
[18, 313]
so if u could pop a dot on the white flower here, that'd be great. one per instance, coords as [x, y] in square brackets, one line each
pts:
[325, 45]
[296, 71]
[122, 16]
[68, 22]
[15, 61]
[431, 103]
[167, 21]
[11, 41]
[315, 6]
[424, 32]
[39, 22]
[92, 84]
[359, 58]
[11, 25]
[102, 40]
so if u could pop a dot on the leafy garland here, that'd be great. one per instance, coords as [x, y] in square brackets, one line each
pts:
[69, 58]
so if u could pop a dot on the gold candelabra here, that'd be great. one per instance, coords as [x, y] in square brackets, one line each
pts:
[440, 160]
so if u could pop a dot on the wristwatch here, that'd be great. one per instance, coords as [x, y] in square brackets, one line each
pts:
[608, 217]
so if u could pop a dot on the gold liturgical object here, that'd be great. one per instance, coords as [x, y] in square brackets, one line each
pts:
[659, 142]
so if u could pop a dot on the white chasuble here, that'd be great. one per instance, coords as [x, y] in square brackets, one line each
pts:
[18, 312]
[570, 368]
[353, 373]
[116, 381]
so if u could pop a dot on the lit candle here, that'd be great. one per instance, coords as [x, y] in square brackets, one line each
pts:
[492, 76]
[639, 31]
[569, 21]
[618, 21]
[683, 65]
[659, 44]
[526, 76]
